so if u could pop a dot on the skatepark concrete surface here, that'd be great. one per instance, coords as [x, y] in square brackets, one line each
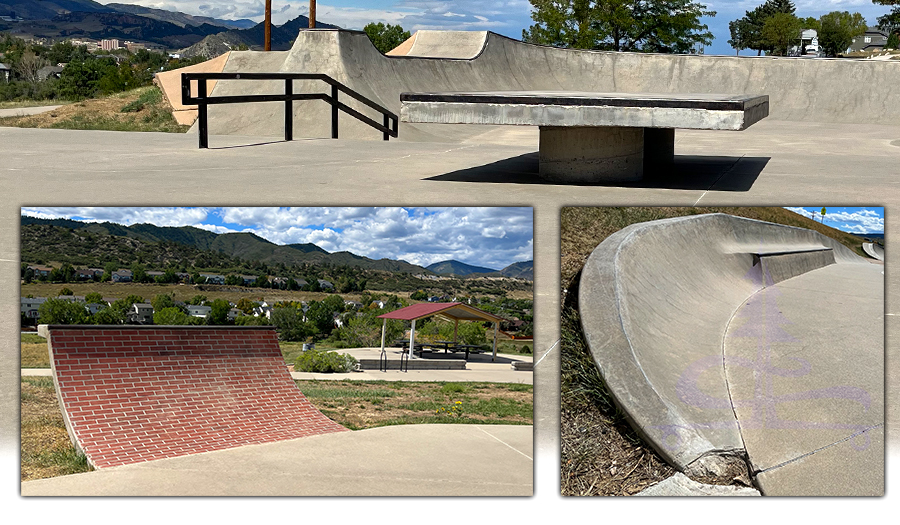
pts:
[795, 318]
[873, 250]
[404, 460]
[442, 44]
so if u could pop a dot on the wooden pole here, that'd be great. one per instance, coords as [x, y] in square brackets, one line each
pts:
[312, 14]
[268, 25]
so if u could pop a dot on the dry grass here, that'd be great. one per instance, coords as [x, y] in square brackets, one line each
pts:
[601, 454]
[367, 404]
[106, 114]
[46, 449]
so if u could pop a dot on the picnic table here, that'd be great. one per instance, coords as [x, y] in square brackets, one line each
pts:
[592, 137]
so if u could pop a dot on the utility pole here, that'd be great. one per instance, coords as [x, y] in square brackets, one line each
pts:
[268, 25]
[312, 14]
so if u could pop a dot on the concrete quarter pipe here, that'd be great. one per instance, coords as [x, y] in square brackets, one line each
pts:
[722, 337]
[130, 394]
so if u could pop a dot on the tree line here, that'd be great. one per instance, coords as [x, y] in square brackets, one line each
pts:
[85, 74]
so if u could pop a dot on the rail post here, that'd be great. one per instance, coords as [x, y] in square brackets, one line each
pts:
[387, 124]
[202, 113]
[288, 110]
[334, 112]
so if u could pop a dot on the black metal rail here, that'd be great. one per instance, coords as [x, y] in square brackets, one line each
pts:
[388, 127]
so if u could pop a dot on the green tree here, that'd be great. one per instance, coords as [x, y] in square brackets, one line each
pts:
[290, 325]
[838, 29]
[891, 21]
[246, 305]
[161, 302]
[219, 313]
[893, 41]
[93, 298]
[780, 31]
[65, 291]
[747, 32]
[657, 26]
[171, 315]
[60, 311]
[385, 36]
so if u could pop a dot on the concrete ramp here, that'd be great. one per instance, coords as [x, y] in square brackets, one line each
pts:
[798, 89]
[657, 299]
[875, 251]
[427, 43]
[170, 84]
[131, 394]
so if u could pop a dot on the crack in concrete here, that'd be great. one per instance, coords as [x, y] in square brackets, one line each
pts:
[722, 176]
[788, 462]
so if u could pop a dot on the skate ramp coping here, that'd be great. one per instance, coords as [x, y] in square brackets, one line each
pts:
[875, 251]
[656, 299]
[131, 394]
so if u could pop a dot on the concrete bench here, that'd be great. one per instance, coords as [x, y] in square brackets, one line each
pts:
[592, 137]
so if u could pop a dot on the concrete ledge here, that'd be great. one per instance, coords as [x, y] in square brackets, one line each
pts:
[415, 364]
[873, 250]
[655, 301]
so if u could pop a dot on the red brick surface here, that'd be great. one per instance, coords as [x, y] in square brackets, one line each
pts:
[133, 394]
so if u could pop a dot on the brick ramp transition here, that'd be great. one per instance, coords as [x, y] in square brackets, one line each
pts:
[131, 394]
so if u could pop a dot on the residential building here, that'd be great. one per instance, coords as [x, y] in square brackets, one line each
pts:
[248, 279]
[197, 310]
[41, 271]
[122, 276]
[49, 72]
[325, 285]
[134, 46]
[4, 72]
[110, 44]
[213, 278]
[874, 39]
[141, 313]
[234, 313]
[30, 306]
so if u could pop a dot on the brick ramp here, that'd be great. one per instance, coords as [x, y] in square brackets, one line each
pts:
[130, 394]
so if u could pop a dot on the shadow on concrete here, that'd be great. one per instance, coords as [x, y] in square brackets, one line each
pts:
[482, 357]
[688, 172]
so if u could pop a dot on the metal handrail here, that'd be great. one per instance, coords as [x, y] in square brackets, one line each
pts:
[202, 100]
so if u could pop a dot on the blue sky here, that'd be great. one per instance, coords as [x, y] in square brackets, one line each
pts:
[489, 237]
[852, 220]
[507, 17]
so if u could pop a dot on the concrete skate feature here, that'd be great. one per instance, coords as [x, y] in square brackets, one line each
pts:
[427, 43]
[875, 251]
[799, 90]
[131, 394]
[591, 137]
[169, 83]
[683, 317]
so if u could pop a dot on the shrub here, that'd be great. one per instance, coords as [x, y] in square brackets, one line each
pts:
[324, 362]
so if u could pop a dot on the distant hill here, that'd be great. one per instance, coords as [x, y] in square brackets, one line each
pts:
[519, 270]
[246, 246]
[47, 9]
[283, 37]
[62, 19]
[457, 268]
[180, 19]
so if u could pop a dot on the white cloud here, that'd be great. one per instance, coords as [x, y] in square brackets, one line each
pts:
[490, 237]
[859, 221]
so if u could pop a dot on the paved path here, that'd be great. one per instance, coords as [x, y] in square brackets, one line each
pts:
[21, 112]
[405, 460]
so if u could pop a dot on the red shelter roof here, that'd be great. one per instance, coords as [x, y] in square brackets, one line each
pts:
[456, 311]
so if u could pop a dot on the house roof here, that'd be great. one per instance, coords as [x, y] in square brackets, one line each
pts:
[454, 311]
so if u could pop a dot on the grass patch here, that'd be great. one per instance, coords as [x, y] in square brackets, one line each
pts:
[46, 449]
[142, 109]
[34, 352]
[367, 404]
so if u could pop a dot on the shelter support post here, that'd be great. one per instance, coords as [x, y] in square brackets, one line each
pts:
[383, 330]
[412, 338]
[496, 327]
[455, 330]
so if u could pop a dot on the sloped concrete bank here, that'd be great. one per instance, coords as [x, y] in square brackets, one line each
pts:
[833, 90]
[656, 300]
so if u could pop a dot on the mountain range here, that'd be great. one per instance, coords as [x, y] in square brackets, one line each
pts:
[64, 19]
[249, 246]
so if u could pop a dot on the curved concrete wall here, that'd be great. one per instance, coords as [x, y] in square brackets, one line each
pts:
[655, 300]
[832, 90]
[873, 250]
[137, 393]
[442, 44]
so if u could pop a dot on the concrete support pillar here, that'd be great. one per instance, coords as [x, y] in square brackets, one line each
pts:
[494, 355]
[588, 154]
[659, 148]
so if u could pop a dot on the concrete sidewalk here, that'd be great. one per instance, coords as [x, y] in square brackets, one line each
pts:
[22, 112]
[405, 460]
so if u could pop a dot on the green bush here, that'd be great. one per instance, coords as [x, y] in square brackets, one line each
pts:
[324, 362]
